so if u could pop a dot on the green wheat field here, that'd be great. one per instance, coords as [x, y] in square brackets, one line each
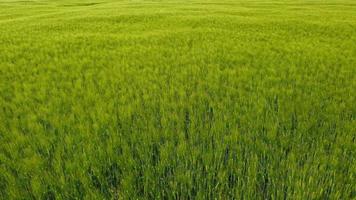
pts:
[230, 99]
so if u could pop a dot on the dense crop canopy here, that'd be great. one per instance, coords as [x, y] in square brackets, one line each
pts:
[177, 99]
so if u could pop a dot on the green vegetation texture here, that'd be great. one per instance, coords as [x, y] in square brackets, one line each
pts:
[178, 99]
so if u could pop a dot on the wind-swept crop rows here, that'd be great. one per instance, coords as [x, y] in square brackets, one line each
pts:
[177, 99]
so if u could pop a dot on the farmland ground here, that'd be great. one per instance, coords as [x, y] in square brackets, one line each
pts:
[178, 99]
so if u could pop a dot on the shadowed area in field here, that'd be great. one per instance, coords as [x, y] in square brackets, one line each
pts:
[81, 4]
